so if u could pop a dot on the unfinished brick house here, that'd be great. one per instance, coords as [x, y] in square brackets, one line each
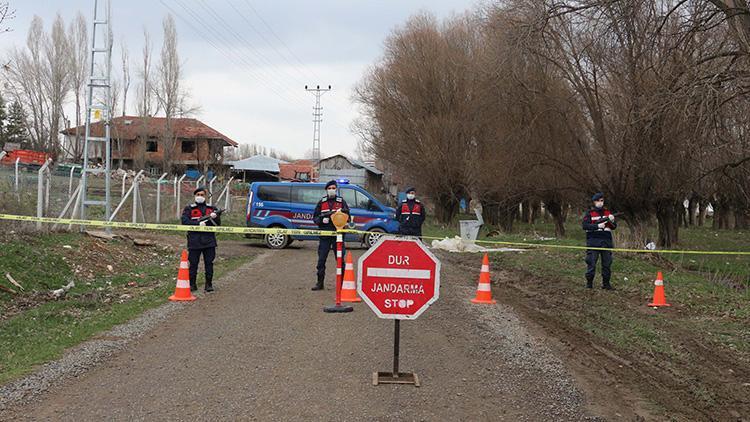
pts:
[140, 143]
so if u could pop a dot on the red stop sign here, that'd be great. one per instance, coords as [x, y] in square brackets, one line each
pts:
[398, 278]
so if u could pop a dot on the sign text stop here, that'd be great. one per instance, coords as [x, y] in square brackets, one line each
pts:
[398, 278]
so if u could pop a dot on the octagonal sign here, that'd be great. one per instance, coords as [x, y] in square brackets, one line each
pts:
[398, 278]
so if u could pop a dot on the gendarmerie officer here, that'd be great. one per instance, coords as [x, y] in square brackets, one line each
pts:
[599, 224]
[326, 207]
[201, 243]
[410, 214]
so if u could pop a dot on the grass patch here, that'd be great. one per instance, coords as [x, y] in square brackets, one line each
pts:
[710, 293]
[44, 330]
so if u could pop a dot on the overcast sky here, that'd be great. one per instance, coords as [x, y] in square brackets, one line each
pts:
[247, 62]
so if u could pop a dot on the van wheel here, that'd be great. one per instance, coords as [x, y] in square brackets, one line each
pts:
[372, 238]
[277, 241]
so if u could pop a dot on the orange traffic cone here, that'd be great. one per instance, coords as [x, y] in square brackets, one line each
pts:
[349, 286]
[182, 291]
[484, 289]
[659, 297]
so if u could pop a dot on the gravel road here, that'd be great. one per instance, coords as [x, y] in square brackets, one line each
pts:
[261, 348]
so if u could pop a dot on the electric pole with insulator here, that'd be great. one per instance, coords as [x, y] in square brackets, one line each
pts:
[317, 118]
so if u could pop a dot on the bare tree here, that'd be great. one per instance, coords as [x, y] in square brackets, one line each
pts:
[145, 104]
[418, 108]
[39, 78]
[168, 90]
[79, 58]
[58, 79]
[125, 59]
[6, 13]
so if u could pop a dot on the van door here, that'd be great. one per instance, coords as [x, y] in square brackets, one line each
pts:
[304, 200]
[271, 203]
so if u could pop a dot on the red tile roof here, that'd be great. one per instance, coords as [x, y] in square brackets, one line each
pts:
[131, 127]
[288, 171]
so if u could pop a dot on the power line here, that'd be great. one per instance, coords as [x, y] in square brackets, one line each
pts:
[238, 61]
[278, 87]
[270, 44]
[237, 36]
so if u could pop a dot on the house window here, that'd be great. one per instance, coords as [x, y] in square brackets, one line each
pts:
[188, 146]
[151, 146]
[302, 176]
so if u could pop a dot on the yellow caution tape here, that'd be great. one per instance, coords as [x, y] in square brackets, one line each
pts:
[306, 232]
[170, 227]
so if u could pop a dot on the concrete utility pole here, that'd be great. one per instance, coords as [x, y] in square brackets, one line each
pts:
[99, 83]
[317, 118]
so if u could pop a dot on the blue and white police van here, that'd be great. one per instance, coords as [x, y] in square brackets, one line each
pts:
[291, 205]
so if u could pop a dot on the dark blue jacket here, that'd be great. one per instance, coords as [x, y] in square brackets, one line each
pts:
[410, 216]
[191, 216]
[596, 236]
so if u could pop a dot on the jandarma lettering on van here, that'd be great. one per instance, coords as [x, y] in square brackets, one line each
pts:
[416, 289]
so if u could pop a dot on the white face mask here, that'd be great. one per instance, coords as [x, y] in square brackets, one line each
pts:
[331, 192]
[200, 199]
[410, 196]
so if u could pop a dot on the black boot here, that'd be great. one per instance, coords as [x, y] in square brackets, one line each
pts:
[193, 286]
[589, 284]
[209, 286]
[607, 286]
[318, 285]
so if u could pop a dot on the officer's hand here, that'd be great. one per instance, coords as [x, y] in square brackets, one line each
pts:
[326, 220]
[202, 224]
[602, 225]
[213, 215]
[611, 217]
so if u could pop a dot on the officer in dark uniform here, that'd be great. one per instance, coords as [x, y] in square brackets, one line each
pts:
[598, 224]
[410, 214]
[328, 205]
[201, 242]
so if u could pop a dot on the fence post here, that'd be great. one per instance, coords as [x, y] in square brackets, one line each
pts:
[198, 182]
[122, 201]
[177, 198]
[17, 161]
[211, 188]
[40, 192]
[228, 198]
[70, 181]
[48, 182]
[158, 197]
[136, 186]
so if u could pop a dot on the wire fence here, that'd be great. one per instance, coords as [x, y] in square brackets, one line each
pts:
[53, 192]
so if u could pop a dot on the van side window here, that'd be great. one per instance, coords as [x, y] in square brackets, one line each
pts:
[307, 194]
[349, 196]
[366, 203]
[274, 193]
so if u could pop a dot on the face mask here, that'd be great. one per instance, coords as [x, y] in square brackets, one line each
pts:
[599, 204]
[331, 193]
[410, 196]
[200, 199]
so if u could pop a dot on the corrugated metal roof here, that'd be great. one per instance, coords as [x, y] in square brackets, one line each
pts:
[357, 163]
[258, 163]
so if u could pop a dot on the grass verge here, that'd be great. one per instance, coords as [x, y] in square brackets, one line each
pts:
[35, 329]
